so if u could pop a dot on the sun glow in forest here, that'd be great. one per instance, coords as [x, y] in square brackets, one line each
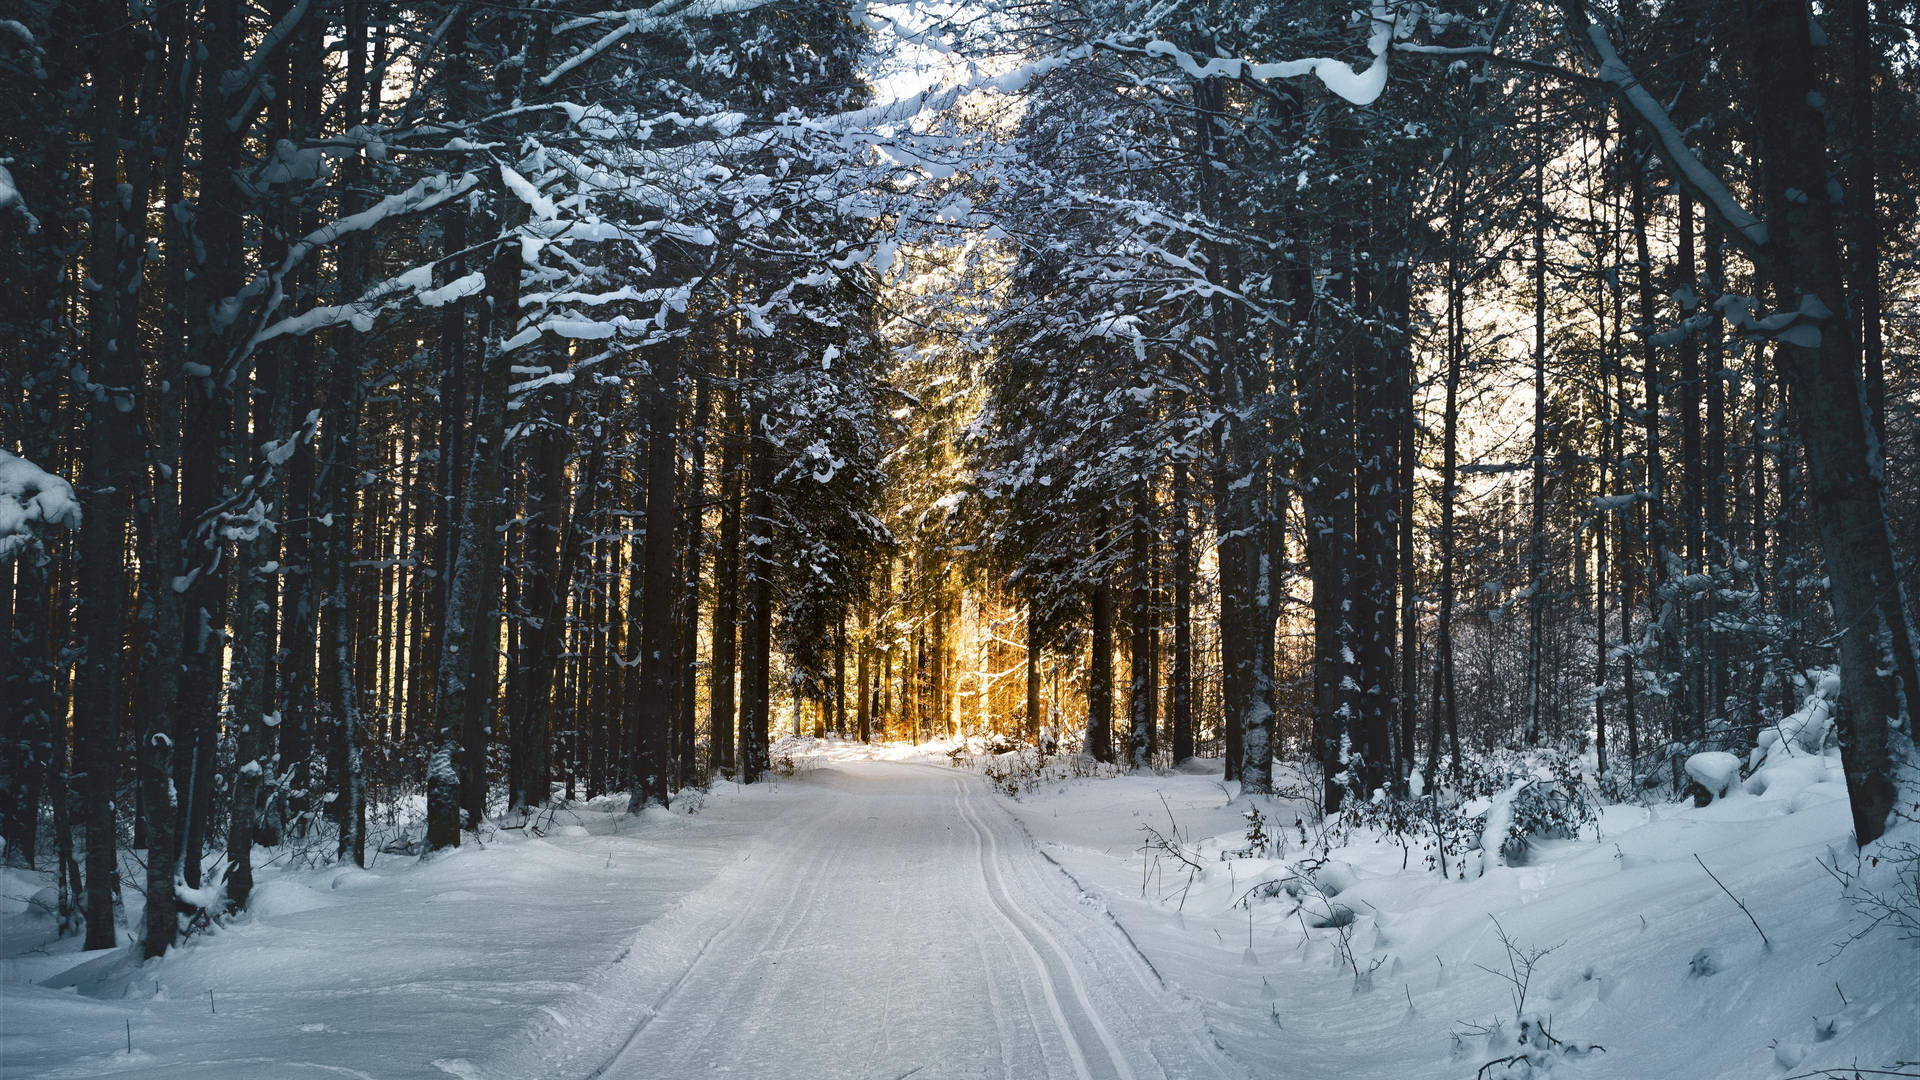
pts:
[829, 538]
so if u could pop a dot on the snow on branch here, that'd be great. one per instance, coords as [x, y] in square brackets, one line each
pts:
[424, 195]
[636, 20]
[30, 496]
[248, 74]
[10, 198]
[1591, 38]
[1361, 87]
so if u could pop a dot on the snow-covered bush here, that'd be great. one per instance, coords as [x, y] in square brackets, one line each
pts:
[1502, 801]
[1789, 758]
[1555, 807]
[1714, 772]
[1022, 770]
[1806, 731]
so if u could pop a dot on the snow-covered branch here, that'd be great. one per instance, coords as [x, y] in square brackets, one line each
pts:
[1362, 86]
[1591, 38]
[30, 496]
[637, 20]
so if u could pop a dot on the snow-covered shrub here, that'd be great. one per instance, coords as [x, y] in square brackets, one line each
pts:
[1714, 773]
[1806, 731]
[1502, 802]
[1556, 807]
[1017, 768]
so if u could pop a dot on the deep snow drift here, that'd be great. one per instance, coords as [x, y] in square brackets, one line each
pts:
[883, 913]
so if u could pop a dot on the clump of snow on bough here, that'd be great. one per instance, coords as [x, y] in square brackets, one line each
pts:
[31, 497]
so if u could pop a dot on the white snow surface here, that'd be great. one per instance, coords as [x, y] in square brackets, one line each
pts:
[1623, 911]
[882, 915]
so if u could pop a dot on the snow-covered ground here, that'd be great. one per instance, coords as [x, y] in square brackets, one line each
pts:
[405, 970]
[1649, 958]
[883, 914]
[868, 917]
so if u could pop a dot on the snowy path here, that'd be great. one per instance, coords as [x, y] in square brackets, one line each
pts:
[905, 925]
[867, 919]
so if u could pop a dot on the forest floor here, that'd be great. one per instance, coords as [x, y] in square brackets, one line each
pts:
[883, 915]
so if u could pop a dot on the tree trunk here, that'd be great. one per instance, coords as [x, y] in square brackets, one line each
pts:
[1183, 738]
[863, 707]
[469, 654]
[1375, 621]
[1446, 712]
[688, 769]
[653, 728]
[1144, 693]
[551, 544]
[111, 443]
[727, 586]
[757, 631]
[1537, 533]
[1099, 737]
[1822, 367]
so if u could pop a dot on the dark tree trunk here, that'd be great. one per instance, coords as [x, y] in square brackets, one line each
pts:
[688, 769]
[727, 585]
[1864, 60]
[1846, 472]
[1690, 600]
[1099, 737]
[1537, 479]
[1377, 510]
[550, 543]
[1144, 693]
[1034, 723]
[863, 663]
[653, 727]
[1446, 710]
[1716, 495]
[1659, 544]
[160, 525]
[757, 630]
[1183, 740]
[111, 444]
[469, 655]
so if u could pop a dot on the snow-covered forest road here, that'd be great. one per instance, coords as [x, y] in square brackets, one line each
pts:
[901, 923]
[866, 918]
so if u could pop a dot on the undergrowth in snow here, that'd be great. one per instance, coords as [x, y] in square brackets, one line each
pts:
[1515, 924]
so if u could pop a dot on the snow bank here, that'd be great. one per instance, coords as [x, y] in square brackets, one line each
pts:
[339, 971]
[1347, 956]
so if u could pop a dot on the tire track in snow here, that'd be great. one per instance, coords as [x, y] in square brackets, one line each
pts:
[1050, 961]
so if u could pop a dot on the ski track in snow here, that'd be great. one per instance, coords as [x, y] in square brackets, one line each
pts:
[906, 930]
